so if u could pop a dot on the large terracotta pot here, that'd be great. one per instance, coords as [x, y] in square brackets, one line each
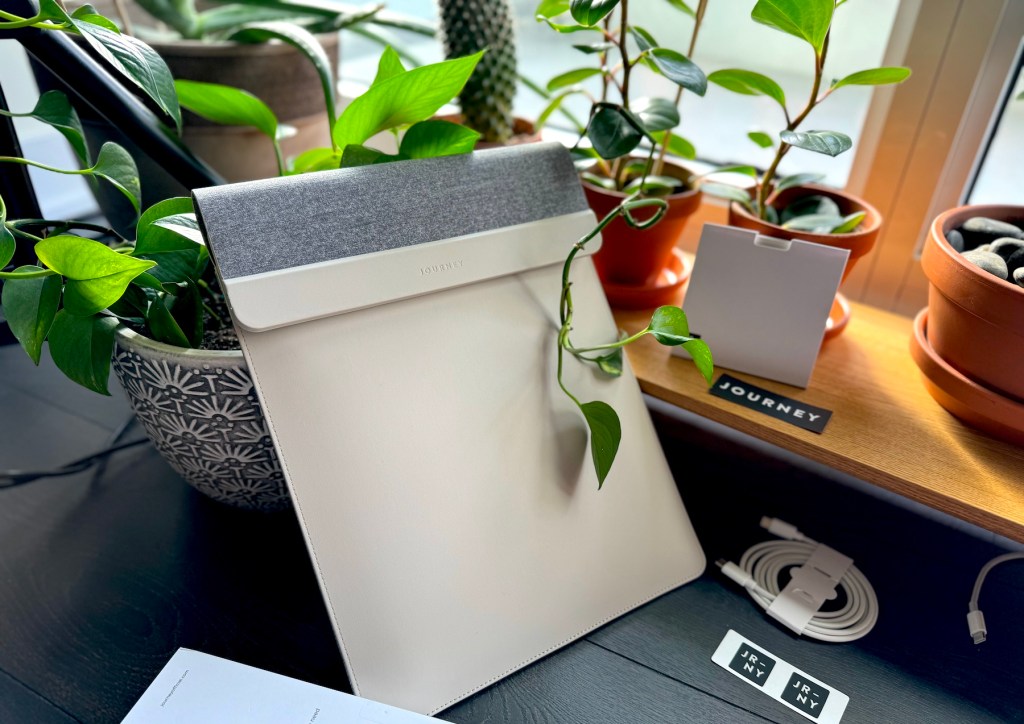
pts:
[858, 242]
[975, 320]
[642, 268]
[200, 409]
[274, 72]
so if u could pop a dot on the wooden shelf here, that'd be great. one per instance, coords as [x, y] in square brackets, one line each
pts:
[886, 429]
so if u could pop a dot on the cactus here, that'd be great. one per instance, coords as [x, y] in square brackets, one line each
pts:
[468, 26]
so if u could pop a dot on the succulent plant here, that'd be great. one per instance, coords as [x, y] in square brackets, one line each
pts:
[467, 27]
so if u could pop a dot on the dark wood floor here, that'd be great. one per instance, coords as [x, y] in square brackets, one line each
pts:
[103, 578]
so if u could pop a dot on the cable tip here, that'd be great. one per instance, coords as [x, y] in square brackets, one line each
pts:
[976, 623]
[979, 638]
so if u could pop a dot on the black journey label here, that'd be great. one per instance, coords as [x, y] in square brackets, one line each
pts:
[792, 411]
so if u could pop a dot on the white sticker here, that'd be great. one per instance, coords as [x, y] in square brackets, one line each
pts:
[779, 680]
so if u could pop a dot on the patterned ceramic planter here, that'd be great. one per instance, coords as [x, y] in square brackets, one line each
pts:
[200, 410]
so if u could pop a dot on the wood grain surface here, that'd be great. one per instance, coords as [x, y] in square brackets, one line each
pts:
[886, 429]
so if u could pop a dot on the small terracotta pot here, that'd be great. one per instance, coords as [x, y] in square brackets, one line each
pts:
[859, 242]
[975, 320]
[635, 257]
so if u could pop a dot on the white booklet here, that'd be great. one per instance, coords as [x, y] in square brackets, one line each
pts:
[198, 688]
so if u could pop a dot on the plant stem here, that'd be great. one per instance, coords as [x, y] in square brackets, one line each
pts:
[764, 186]
[26, 162]
[626, 67]
[603, 347]
[66, 225]
[659, 166]
[28, 275]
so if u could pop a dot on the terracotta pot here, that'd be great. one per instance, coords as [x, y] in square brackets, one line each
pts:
[641, 259]
[975, 320]
[274, 72]
[199, 408]
[858, 242]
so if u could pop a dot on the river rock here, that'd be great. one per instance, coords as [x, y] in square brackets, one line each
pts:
[1018, 276]
[956, 240]
[981, 230]
[1005, 247]
[1015, 262]
[992, 263]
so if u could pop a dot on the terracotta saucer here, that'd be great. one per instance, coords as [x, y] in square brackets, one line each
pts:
[975, 405]
[665, 289]
[838, 317]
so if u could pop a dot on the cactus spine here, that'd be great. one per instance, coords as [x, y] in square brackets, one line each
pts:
[468, 26]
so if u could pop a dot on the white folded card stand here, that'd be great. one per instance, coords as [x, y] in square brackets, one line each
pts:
[400, 324]
[760, 303]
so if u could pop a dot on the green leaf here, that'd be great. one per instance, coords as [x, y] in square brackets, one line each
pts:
[654, 185]
[669, 326]
[798, 179]
[805, 19]
[29, 306]
[611, 363]
[552, 8]
[613, 132]
[187, 310]
[677, 145]
[849, 223]
[875, 76]
[162, 325]
[389, 66]
[91, 15]
[749, 83]
[591, 12]
[96, 275]
[679, 69]
[115, 165]
[657, 114]
[815, 223]
[54, 109]
[434, 138]
[226, 105]
[761, 138]
[8, 245]
[644, 40]
[355, 155]
[745, 170]
[130, 57]
[169, 235]
[605, 435]
[830, 143]
[701, 354]
[811, 205]
[601, 181]
[81, 348]
[571, 77]
[316, 159]
[680, 5]
[303, 41]
[724, 191]
[594, 48]
[552, 106]
[403, 99]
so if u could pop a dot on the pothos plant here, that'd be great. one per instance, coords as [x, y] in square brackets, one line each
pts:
[159, 279]
[668, 325]
[618, 123]
[810, 21]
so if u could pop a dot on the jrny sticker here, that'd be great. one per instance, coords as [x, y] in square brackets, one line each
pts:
[780, 407]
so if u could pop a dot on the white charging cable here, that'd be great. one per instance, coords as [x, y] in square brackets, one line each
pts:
[761, 567]
[975, 618]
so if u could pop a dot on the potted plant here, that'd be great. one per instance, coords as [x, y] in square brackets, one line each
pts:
[638, 268]
[284, 51]
[794, 207]
[969, 341]
[150, 299]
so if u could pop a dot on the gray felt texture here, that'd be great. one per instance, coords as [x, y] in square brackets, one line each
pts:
[280, 223]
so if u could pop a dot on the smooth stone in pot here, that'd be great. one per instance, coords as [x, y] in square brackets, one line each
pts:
[956, 240]
[992, 263]
[1016, 261]
[981, 230]
[1006, 247]
[1018, 276]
